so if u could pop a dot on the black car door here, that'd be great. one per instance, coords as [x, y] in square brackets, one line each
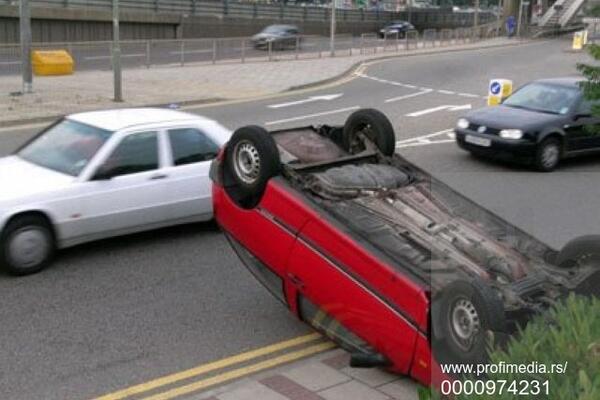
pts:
[583, 133]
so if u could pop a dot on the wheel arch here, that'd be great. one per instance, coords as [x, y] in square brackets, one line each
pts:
[35, 213]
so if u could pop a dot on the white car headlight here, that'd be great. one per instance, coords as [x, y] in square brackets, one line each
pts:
[462, 123]
[511, 134]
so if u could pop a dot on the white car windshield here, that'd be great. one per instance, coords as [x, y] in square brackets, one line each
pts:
[542, 97]
[66, 147]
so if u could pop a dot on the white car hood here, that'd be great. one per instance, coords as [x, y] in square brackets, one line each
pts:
[20, 179]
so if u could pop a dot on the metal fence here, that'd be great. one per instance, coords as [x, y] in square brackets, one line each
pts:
[152, 53]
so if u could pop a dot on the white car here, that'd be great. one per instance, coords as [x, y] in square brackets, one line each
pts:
[99, 174]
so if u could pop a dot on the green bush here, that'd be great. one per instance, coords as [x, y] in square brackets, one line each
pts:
[568, 333]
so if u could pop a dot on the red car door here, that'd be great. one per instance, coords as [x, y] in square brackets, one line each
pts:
[359, 292]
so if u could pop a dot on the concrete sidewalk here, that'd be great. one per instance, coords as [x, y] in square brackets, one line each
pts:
[91, 90]
[322, 377]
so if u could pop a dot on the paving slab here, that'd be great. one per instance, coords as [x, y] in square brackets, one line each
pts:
[353, 390]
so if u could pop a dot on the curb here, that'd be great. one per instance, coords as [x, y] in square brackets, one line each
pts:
[346, 74]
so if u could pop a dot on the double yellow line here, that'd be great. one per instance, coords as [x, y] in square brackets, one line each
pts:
[224, 363]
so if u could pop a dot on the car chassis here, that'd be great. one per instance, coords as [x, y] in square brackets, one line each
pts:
[391, 263]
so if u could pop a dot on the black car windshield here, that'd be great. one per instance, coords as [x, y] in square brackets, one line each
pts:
[66, 147]
[544, 97]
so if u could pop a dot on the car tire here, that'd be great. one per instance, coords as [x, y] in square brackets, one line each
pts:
[27, 245]
[251, 159]
[463, 315]
[584, 250]
[375, 126]
[547, 155]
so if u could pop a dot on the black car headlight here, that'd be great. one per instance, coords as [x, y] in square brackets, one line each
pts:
[514, 134]
[462, 123]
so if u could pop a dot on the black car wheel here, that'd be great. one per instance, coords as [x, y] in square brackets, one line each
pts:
[584, 250]
[464, 314]
[27, 245]
[375, 126]
[548, 154]
[251, 159]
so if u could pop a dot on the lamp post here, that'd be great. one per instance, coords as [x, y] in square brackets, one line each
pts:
[332, 30]
[116, 55]
[25, 36]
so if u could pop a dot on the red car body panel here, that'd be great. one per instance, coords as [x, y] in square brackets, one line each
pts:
[365, 295]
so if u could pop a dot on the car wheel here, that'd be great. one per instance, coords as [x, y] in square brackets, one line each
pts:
[547, 155]
[584, 250]
[465, 313]
[375, 126]
[251, 159]
[27, 245]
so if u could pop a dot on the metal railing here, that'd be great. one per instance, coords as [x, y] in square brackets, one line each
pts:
[156, 53]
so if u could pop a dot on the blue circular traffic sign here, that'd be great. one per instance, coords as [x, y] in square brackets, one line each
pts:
[495, 88]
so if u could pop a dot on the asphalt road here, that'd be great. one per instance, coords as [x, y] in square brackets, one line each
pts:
[118, 312]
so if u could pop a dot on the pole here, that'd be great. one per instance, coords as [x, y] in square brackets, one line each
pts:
[520, 16]
[116, 55]
[476, 16]
[332, 30]
[500, 13]
[25, 28]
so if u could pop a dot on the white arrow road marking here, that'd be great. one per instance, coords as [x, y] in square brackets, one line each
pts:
[439, 108]
[326, 97]
[341, 110]
[447, 136]
[408, 96]
[458, 108]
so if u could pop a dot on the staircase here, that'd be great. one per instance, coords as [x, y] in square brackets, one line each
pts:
[563, 16]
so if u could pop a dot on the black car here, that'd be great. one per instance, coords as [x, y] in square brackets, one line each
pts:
[279, 36]
[541, 123]
[396, 28]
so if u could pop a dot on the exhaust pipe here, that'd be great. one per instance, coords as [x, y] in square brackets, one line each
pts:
[368, 360]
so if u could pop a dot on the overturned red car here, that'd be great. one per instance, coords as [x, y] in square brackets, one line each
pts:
[392, 264]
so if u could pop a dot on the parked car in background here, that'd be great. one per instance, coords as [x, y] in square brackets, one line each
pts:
[279, 37]
[396, 28]
[395, 266]
[99, 174]
[541, 123]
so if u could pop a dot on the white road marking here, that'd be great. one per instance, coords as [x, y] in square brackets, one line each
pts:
[341, 110]
[122, 55]
[10, 62]
[406, 85]
[420, 143]
[325, 97]
[408, 96]
[468, 95]
[422, 138]
[439, 108]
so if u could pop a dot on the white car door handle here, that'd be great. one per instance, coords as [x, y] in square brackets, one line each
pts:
[158, 176]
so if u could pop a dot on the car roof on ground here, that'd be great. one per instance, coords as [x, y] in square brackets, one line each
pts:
[114, 120]
[563, 81]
